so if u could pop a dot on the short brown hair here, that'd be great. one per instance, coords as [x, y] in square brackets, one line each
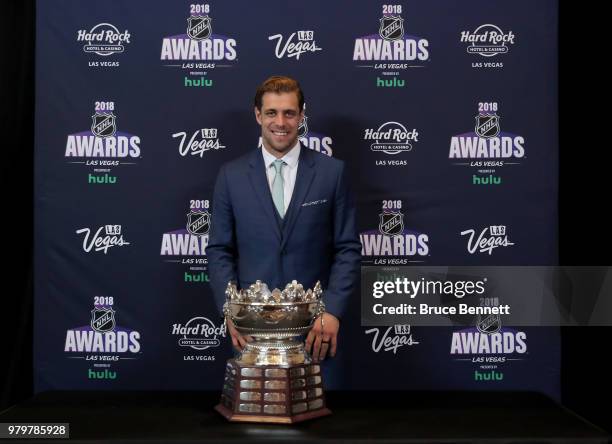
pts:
[279, 84]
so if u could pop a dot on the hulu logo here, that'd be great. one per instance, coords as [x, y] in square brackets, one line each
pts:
[488, 376]
[491, 180]
[196, 277]
[394, 83]
[95, 374]
[198, 82]
[104, 179]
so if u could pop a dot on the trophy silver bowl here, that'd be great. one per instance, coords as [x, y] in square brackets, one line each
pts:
[275, 320]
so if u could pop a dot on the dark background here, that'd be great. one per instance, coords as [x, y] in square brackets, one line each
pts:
[583, 225]
[437, 198]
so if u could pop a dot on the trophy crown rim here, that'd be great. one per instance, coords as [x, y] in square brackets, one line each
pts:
[259, 294]
[273, 304]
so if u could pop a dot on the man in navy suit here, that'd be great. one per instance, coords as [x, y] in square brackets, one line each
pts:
[284, 212]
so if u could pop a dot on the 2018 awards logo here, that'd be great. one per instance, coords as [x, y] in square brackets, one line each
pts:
[392, 243]
[488, 347]
[487, 149]
[187, 245]
[198, 50]
[391, 49]
[103, 147]
[102, 343]
[391, 139]
[488, 41]
[101, 41]
[313, 140]
[200, 334]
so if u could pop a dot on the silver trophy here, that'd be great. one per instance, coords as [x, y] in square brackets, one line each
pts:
[273, 379]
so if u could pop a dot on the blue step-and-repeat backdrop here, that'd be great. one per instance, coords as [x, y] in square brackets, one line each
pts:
[445, 113]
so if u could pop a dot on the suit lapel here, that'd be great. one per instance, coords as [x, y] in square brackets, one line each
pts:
[259, 181]
[305, 175]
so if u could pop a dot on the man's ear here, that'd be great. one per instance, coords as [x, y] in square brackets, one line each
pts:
[257, 115]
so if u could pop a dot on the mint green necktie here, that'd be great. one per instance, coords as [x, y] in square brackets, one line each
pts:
[278, 188]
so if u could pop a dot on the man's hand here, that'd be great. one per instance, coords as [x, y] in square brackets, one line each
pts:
[323, 337]
[238, 340]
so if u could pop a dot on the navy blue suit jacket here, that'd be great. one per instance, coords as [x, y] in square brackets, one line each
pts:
[318, 240]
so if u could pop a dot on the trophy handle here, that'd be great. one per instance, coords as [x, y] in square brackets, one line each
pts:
[320, 308]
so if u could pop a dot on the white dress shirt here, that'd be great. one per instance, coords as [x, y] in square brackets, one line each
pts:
[291, 160]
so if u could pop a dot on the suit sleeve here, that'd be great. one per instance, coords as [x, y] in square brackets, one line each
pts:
[345, 270]
[221, 249]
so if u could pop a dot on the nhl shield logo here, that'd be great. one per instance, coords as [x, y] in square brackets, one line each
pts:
[198, 223]
[103, 319]
[103, 125]
[391, 27]
[487, 126]
[199, 27]
[303, 128]
[391, 224]
[489, 324]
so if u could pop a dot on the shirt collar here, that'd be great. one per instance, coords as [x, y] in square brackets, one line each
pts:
[291, 158]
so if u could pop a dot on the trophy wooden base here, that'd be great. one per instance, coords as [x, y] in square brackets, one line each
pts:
[272, 394]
